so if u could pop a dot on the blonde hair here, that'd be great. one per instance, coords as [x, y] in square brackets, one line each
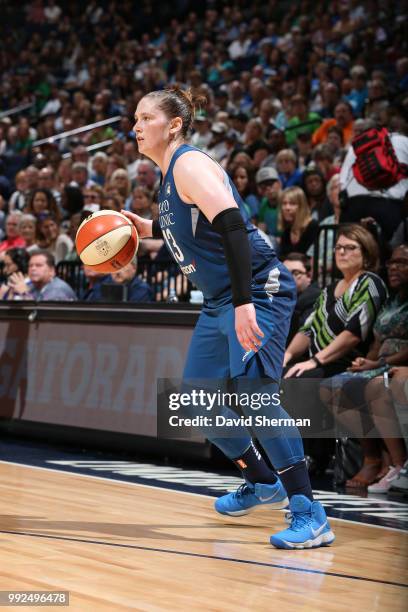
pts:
[296, 195]
[122, 172]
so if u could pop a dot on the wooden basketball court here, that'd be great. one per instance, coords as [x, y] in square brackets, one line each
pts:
[124, 546]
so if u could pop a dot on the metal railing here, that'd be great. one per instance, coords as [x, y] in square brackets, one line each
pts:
[324, 263]
[165, 279]
[80, 130]
[16, 110]
[94, 147]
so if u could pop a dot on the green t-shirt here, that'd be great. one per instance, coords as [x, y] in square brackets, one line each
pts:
[291, 134]
[268, 215]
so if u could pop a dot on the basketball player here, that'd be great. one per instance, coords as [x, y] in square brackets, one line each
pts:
[248, 301]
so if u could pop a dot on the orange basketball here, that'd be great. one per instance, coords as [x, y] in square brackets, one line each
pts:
[106, 241]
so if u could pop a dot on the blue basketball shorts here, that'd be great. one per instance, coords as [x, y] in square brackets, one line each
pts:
[215, 351]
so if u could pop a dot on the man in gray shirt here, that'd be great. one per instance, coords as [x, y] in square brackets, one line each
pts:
[43, 284]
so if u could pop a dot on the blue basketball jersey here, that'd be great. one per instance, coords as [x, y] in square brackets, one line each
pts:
[196, 247]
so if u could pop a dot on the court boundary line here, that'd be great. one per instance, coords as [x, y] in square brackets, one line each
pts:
[140, 484]
[212, 557]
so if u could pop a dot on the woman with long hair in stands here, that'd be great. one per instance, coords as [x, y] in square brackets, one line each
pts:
[295, 222]
[42, 200]
[244, 181]
[248, 300]
[51, 238]
[15, 268]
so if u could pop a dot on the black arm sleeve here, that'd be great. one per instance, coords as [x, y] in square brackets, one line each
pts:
[156, 229]
[230, 225]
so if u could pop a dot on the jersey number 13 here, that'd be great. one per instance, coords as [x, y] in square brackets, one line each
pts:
[172, 245]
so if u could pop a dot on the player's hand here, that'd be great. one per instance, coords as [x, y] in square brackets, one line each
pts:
[298, 369]
[143, 226]
[248, 333]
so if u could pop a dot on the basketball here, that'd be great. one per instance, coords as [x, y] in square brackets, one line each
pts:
[106, 241]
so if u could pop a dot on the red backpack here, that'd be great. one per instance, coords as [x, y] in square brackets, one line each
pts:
[376, 166]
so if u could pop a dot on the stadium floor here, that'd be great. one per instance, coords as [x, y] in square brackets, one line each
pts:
[367, 509]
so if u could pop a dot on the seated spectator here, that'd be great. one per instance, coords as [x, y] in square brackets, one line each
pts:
[359, 91]
[326, 239]
[289, 175]
[141, 202]
[240, 158]
[132, 158]
[42, 200]
[13, 235]
[385, 205]
[298, 229]
[202, 136]
[303, 149]
[134, 289]
[121, 182]
[364, 386]
[46, 180]
[112, 202]
[93, 291]
[339, 328]
[28, 231]
[400, 236]
[269, 189]
[323, 159]
[146, 175]
[15, 266]
[72, 200]
[244, 182]
[307, 292]
[302, 120]
[52, 239]
[32, 178]
[314, 187]
[93, 194]
[80, 175]
[253, 134]
[44, 284]
[335, 144]
[218, 148]
[5, 185]
[99, 165]
[18, 198]
[343, 118]
[64, 174]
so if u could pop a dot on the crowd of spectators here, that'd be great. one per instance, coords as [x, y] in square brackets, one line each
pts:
[288, 86]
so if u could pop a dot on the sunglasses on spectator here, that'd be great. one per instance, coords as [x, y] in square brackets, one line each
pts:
[347, 248]
[400, 264]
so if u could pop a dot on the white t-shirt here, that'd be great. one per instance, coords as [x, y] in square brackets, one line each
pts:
[62, 247]
[354, 188]
[52, 13]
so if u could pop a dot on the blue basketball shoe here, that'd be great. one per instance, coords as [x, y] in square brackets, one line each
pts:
[309, 527]
[249, 497]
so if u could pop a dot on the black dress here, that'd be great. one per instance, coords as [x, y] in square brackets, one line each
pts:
[307, 238]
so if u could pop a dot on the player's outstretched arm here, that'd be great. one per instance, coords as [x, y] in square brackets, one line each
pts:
[200, 180]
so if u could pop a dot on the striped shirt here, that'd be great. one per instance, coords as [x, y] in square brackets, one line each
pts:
[354, 311]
